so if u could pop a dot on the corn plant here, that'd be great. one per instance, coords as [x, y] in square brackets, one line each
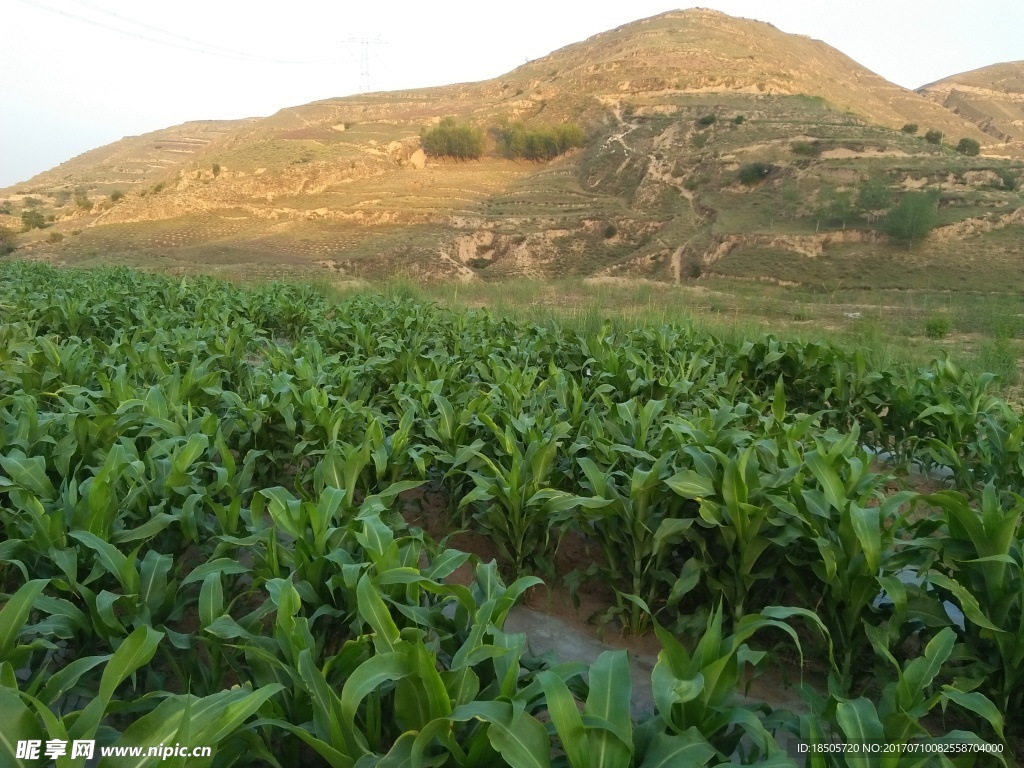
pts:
[640, 534]
[898, 717]
[694, 692]
[980, 567]
[520, 506]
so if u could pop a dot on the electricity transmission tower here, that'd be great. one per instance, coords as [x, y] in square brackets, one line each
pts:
[364, 59]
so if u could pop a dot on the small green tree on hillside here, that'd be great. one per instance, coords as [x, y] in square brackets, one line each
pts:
[873, 197]
[933, 137]
[968, 147]
[909, 128]
[539, 142]
[8, 241]
[834, 205]
[453, 139]
[913, 218]
[32, 220]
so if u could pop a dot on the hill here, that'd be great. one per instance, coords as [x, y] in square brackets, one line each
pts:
[992, 97]
[675, 108]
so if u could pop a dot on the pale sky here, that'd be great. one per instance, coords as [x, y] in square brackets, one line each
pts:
[70, 82]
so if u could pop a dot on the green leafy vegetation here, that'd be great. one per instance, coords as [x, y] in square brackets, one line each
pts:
[116, 196]
[207, 506]
[937, 327]
[913, 218]
[752, 174]
[8, 240]
[969, 147]
[450, 138]
[539, 142]
[32, 220]
[910, 128]
[707, 120]
[933, 136]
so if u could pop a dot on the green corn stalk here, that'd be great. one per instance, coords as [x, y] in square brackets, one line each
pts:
[639, 535]
[981, 568]
[900, 714]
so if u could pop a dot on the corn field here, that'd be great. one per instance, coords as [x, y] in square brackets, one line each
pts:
[201, 491]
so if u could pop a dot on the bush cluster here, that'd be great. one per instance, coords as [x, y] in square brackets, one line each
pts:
[8, 240]
[754, 173]
[968, 147]
[541, 142]
[450, 138]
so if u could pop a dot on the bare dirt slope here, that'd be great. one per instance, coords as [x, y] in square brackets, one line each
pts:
[992, 97]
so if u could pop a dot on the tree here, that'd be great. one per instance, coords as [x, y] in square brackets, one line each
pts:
[32, 220]
[834, 205]
[909, 128]
[452, 139]
[968, 147]
[541, 142]
[933, 137]
[791, 199]
[913, 218]
[873, 197]
[8, 240]
[752, 174]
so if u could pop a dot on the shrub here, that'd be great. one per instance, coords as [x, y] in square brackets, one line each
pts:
[32, 220]
[874, 195]
[5, 209]
[116, 195]
[157, 188]
[694, 268]
[452, 139]
[610, 231]
[913, 218]
[542, 142]
[8, 240]
[700, 140]
[809, 148]
[909, 128]
[754, 173]
[738, 120]
[216, 169]
[54, 237]
[937, 327]
[968, 147]
[933, 137]
[32, 202]
[1008, 178]
[83, 203]
[707, 120]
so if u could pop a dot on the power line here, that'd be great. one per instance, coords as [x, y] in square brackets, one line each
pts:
[221, 53]
[158, 30]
